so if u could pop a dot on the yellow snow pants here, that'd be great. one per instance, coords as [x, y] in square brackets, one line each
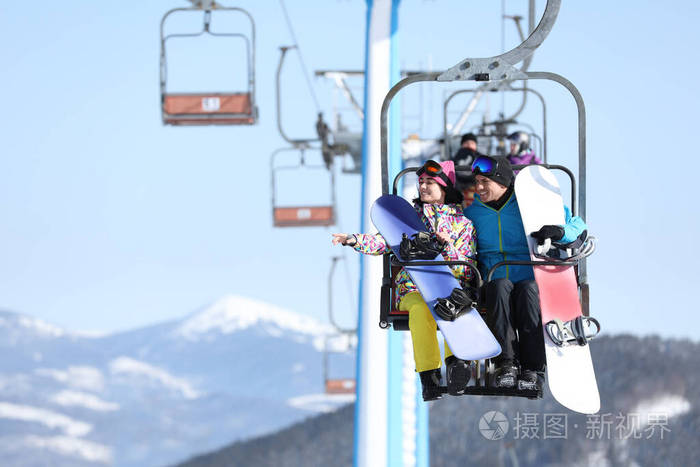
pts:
[426, 351]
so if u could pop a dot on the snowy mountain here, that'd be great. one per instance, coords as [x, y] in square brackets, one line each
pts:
[152, 396]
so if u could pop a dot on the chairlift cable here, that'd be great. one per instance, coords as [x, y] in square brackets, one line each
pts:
[301, 57]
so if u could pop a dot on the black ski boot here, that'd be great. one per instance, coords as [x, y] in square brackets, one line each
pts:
[531, 380]
[506, 375]
[431, 380]
[458, 373]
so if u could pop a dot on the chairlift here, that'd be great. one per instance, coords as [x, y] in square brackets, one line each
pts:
[336, 385]
[209, 108]
[491, 69]
[391, 316]
[500, 127]
[304, 215]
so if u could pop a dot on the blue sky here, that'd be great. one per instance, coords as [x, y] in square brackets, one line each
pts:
[112, 221]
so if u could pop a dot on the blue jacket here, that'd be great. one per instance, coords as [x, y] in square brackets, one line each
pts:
[500, 236]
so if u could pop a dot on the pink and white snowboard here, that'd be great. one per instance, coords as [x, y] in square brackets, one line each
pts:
[570, 373]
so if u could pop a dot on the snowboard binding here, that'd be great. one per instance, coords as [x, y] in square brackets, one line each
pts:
[421, 245]
[577, 330]
[581, 248]
[459, 302]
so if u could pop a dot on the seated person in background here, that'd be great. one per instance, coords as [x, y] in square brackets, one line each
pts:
[520, 152]
[463, 161]
[467, 152]
[512, 297]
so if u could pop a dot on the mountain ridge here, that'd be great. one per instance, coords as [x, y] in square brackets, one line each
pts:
[151, 395]
[650, 415]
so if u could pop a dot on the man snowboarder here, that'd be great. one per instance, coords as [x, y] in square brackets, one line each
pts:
[512, 297]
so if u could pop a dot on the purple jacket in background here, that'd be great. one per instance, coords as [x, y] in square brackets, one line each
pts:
[524, 158]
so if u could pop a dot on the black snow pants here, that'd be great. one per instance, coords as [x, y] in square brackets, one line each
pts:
[516, 307]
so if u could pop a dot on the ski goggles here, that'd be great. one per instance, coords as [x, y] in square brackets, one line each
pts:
[433, 169]
[484, 165]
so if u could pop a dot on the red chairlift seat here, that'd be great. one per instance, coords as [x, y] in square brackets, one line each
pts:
[208, 109]
[303, 216]
[340, 386]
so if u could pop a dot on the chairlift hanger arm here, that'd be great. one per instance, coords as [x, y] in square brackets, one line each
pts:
[530, 28]
[526, 63]
[502, 66]
[297, 143]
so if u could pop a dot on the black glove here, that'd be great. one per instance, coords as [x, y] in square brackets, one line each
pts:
[553, 232]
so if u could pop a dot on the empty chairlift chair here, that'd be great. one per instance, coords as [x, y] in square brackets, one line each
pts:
[209, 108]
[336, 385]
[302, 215]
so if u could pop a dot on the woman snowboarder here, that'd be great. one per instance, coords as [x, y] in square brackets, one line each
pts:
[439, 206]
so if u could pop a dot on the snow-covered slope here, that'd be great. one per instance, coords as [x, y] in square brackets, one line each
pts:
[152, 396]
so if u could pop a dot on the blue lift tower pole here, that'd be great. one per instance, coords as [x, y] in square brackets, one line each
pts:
[390, 418]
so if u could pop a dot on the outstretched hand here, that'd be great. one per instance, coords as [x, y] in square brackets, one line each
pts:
[343, 239]
[553, 232]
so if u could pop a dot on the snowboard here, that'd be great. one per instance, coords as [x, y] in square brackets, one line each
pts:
[468, 336]
[570, 373]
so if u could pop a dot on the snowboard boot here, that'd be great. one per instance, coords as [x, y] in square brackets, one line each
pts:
[458, 373]
[431, 380]
[531, 380]
[506, 375]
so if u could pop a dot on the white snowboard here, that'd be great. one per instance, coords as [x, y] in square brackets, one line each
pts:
[570, 373]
